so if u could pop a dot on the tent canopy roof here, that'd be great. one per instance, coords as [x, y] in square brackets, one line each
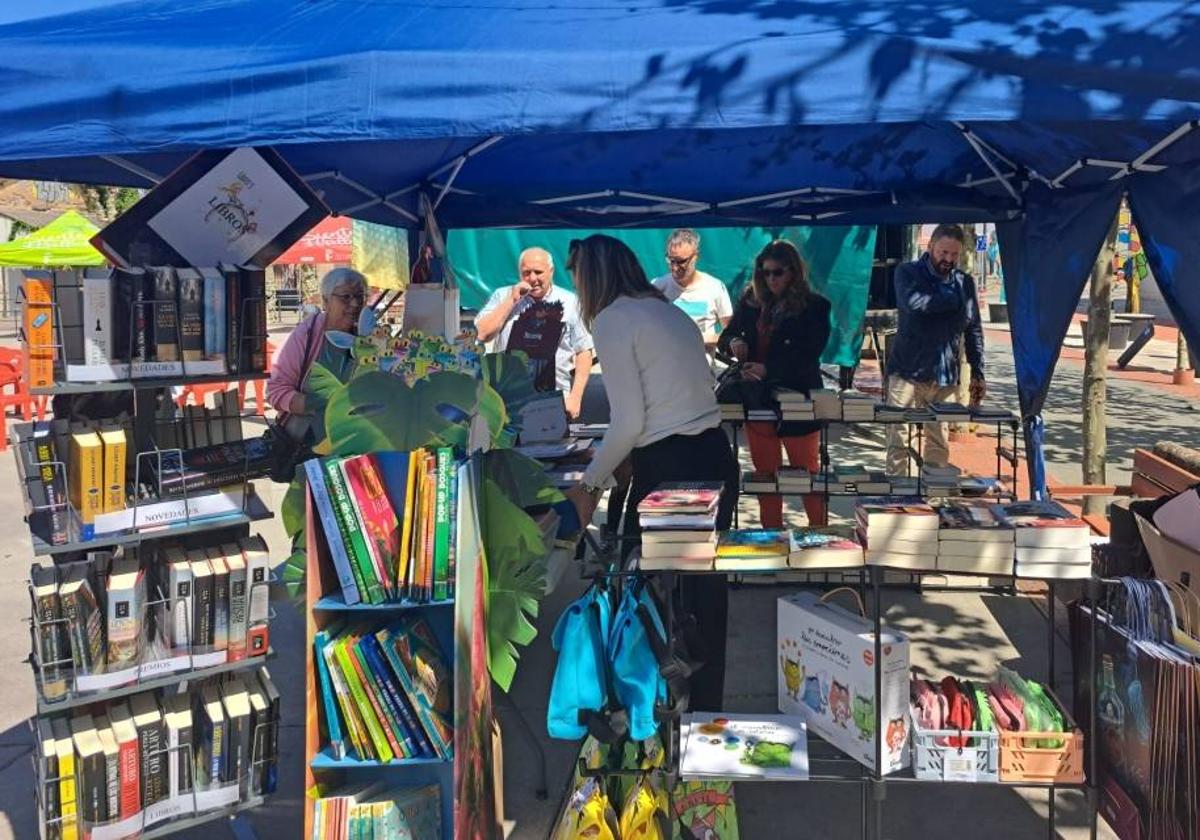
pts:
[636, 113]
[63, 242]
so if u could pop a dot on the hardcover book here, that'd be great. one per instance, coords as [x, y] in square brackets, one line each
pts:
[743, 747]
[381, 528]
[113, 442]
[166, 315]
[191, 316]
[148, 719]
[254, 552]
[333, 534]
[126, 600]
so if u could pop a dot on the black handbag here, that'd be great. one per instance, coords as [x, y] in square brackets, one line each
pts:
[751, 394]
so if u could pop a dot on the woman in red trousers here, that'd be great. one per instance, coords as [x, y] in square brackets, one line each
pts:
[779, 329]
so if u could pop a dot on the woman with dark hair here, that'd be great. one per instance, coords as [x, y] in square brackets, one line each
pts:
[778, 331]
[664, 418]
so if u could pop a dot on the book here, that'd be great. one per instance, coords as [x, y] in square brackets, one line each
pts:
[191, 316]
[346, 571]
[258, 613]
[1051, 571]
[68, 806]
[203, 594]
[38, 322]
[950, 411]
[178, 724]
[148, 719]
[85, 620]
[1077, 555]
[260, 735]
[678, 563]
[373, 508]
[124, 284]
[47, 778]
[741, 747]
[366, 708]
[209, 737]
[682, 497]
[85, 472]
[166, 315]
[235, 702]
[420, 743]
[683, 550]
[210, 467]
[233, 319]
[753, 544]
[972, 523]
[97, 315]
[51, 522]
[126, 601]
[91, 786]
[817, 548]
[270, 757]
[1044, 524]
[417, 662]
[884, 518]
[664, 537]
[333, 727]
[53, 643]
[220, 577]
[179, 593]
[239, 601]
[683, 521]
[355, 727]
[253, 301]
[113, 442]
[371, 587]
[441, 550]
[385, 713]
[851, 474]
[216, 318]
[129, 759]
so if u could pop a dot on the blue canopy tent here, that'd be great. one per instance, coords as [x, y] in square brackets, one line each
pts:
[648, 113]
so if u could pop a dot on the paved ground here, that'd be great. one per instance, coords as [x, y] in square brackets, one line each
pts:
[964, 633]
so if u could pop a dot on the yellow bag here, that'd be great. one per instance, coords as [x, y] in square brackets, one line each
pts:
[640, 819]
[589, 816]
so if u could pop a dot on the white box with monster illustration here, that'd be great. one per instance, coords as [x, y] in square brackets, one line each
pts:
[826, 673]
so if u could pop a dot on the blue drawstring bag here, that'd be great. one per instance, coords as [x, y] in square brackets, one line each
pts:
[637, 681]
[579, 690]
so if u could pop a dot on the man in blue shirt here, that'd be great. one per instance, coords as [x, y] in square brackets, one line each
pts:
[937, 308]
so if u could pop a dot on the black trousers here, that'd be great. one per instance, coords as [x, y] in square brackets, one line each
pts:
[703, 457]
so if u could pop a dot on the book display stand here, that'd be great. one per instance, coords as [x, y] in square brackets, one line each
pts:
[179, 495]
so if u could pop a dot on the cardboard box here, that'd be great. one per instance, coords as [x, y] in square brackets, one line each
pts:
[827, 674]
[1171, 560]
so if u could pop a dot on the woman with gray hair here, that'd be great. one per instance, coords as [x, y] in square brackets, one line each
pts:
[343, 295]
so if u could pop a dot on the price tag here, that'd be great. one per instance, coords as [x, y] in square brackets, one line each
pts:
[959, 765]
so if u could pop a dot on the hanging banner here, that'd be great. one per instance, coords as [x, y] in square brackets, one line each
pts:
[327, 243]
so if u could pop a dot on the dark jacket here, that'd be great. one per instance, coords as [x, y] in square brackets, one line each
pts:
[933, 316]
[794, 355]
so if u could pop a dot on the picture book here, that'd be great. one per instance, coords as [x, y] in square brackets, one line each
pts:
[381, 528]
[743, 747]
[753, 543]
[812, 548]
[682, 497]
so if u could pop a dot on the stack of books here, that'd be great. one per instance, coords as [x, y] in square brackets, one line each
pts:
[890, 413]
[679, 522]
[210, 467]
[794, 405]
[950, 412]
[940, 481]
[972, 539]
[824, 548]
[857, 479]
[390, 519]
[759, 482]
[794, 481]
[725, 746]
[1051, 542]
[903, 485]
[732, 410]
[857, 407]
[762, 415]
[385, 695]
[898, 532]
[827, 404]
[376, 809]
[753, 549]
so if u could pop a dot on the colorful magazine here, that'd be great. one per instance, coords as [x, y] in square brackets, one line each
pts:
[754, 542]
[682, 497]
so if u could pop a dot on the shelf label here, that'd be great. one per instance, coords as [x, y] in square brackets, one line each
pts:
[959, 765]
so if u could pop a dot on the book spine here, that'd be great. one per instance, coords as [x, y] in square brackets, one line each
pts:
[452, 564]
[254, 315]
[382, 747]
[180, 587]
[52, 646]
[202, 620]
[53, 489]
[130, 774]
[143, 319]
[441, 550]
[404, 563]
[112, 785]
[215, 316]
[428, 723]
[418, 741]
[216, 758]
[52, 810]
[333, 533]
[258, 597]
[166, 315]
[94, 791]
[238, 614]
[150, 741]
[352, 532]
[388, 720]
[114, 470]
[97, 320]
[354, 724]
[172, 763]
[77, 635]
[333, 727]
[68, 806]
[233, 324]
[191, 317]
[221, 611]
[374, 511]
[430, 528]
[183, 760]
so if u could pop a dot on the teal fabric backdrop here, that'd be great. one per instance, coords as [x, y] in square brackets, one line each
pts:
[839, 260]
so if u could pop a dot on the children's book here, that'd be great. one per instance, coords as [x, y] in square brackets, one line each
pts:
[743, 747]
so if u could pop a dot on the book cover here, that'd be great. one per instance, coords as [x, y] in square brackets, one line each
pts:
[239, 601]
[814, 549]
[216, 319]
[682, 497]
[420, 741]
[179, 593]
[191, 316]
[375, 730]
[147, 718]
[166, 315]
[427, 553]
[417, 811]
[355, 727]
[64, 748]
[210, 467]
[968, 522]
[209, 737]
[126, 601]
[333, 532]
[258, 610]
[126, 285]
[441, 545]
[54, 647]
[85, 472]
[179, 743]
[47, 778]
[91, 787]
[734, 746]
[253, 282]
[113, 441]
[381, 528]
[50, 523]
[203, 593]
[38, 323]
[112, 767]
[220, 632]
[85, 621]
[333, 727]
[235, 702]
[753, 543]
[352, 532]
[260, 734]
[417, 662]
[129, 763]
[407, 517]
[271, 764]
[233, 319]
[388, 720]
[97, 320]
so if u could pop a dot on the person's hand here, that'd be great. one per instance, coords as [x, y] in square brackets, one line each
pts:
[572, 403]
[585, 503]
[978, 390]
[740, 349]
[754, 370]
[520, 290]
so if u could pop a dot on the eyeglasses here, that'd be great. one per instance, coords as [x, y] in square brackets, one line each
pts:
[347, 299]
[679, 262]
[773, 272]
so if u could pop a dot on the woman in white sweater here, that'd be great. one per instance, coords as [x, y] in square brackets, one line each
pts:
[663, 417]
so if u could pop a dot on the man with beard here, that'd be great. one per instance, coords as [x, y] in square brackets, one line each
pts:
[937, 306]
[542, 320]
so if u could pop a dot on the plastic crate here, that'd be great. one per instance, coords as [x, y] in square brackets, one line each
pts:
[1022, 760]
[929, 757]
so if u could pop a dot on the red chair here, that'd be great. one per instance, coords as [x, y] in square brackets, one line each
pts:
[260, 386]
[14, 391]
[198, 393]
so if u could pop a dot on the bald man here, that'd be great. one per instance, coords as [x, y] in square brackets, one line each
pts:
[537, 317]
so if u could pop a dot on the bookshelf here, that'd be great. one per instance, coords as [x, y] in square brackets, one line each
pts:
[215, 523]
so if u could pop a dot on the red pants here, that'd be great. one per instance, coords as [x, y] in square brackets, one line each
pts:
[803, 451]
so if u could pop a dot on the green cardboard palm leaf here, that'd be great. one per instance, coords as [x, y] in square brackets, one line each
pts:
[516, 563]
[508, 374]
[291, 509]
[520, 478]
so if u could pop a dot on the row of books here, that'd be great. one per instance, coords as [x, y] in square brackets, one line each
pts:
[390, 520]
[385, 694]
[857, 479]
[217, 420]
[142, 761]
[149, 322]
[1036, 539]
[120, 617]
[378, 811]
[748, 550]
[853, 406]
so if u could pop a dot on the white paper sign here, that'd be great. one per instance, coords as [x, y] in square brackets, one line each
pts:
[959, 765]
[544, 420]
[230, 213]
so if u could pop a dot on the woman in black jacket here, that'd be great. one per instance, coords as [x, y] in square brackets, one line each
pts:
[779, 330]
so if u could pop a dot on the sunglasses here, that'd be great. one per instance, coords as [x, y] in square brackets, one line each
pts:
[773, 272]
[680, 261]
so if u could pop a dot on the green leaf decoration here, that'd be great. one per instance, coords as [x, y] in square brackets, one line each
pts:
[522, 479]
[508, 375]
[291, 509]
[293, 574]
[516, 563]
[321, 382]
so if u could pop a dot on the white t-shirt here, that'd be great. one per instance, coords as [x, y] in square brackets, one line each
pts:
[705, 299]
[574, 339]
[656, 376]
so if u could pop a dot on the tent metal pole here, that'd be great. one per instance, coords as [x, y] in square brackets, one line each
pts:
[449, 181]
[1067, 173]
[130, 166]
[579, 197]
[1140, 161]
[682, 202]
[975, 144]
[469, 153]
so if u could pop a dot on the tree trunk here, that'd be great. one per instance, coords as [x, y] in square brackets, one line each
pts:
[1095, 369]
